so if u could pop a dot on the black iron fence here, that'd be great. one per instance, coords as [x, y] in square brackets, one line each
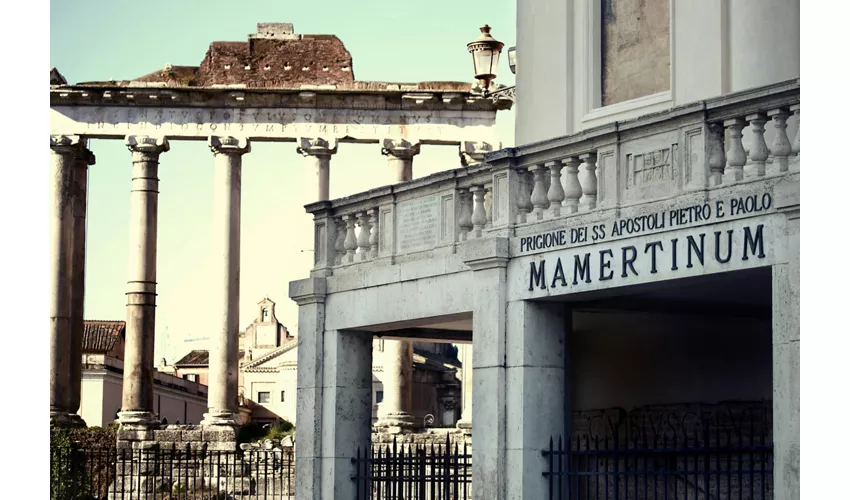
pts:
[413, 472]
[171, 474]
[704, 464]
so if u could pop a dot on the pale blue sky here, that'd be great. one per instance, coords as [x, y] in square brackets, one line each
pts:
[389, 40]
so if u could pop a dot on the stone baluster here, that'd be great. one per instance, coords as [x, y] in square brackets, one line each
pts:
[523, 200]
[350, 237]
[781, 148]
[339, 244]
[363, 246]
[758, 151]
[556, 188]
[137, 395]
[464, 220]
[573, 185]
[222, 407]
[373, 234]
[488, 204]
[538, 194]
[736, 157]
[591, 184]
[795, 145]
[318, 153]
[716, 154]
[63, 151]
[479, 216]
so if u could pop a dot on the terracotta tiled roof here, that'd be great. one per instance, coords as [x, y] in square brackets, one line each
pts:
[199, 357]
[101, 336]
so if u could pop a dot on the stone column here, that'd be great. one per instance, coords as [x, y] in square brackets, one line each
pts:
[137, 397]
[79, 185]
[465, 422]
[394, 411]
[400, 153]
[318, 153]
[334, 395]
[223, 406]
[63, 153]
[786, 358]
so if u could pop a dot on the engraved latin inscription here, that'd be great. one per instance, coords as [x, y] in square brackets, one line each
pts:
[650, 168]
[254, 122]
[418, 222]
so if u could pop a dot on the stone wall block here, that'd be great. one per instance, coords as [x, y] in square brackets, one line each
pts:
[191, 435]
[135, 435]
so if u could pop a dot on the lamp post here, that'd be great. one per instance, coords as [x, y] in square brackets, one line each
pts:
[485, 51]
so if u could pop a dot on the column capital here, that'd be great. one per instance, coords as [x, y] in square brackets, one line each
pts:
[316, 146]
[148, 146]
[64, 144]
[472, 152]
[400, 148]
[229, 145]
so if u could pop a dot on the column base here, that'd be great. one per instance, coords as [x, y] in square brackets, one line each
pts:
[221, 419]
[465, 426]
[66, 420]
[137, 419]
[396, 423]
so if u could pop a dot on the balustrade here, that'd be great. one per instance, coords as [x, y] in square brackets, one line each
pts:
[646, 159]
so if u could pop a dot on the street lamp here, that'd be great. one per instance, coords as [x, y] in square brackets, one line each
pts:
[485, 52]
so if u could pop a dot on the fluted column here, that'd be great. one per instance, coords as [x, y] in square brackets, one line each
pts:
[137, 397]
[80, 174]
[465, 421]
[63, 153]
[400, 153]
[318, 153]
[394, 411]
[222, 401]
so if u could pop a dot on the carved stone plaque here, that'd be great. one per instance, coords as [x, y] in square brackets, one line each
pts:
[417, 224]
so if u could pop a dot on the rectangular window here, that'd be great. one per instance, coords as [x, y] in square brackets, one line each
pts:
[263, 397]
[635, 49]
[192, 377]
[379, 396]
[282, 394]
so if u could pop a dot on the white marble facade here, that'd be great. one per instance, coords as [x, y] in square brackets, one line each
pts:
[499, 251]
